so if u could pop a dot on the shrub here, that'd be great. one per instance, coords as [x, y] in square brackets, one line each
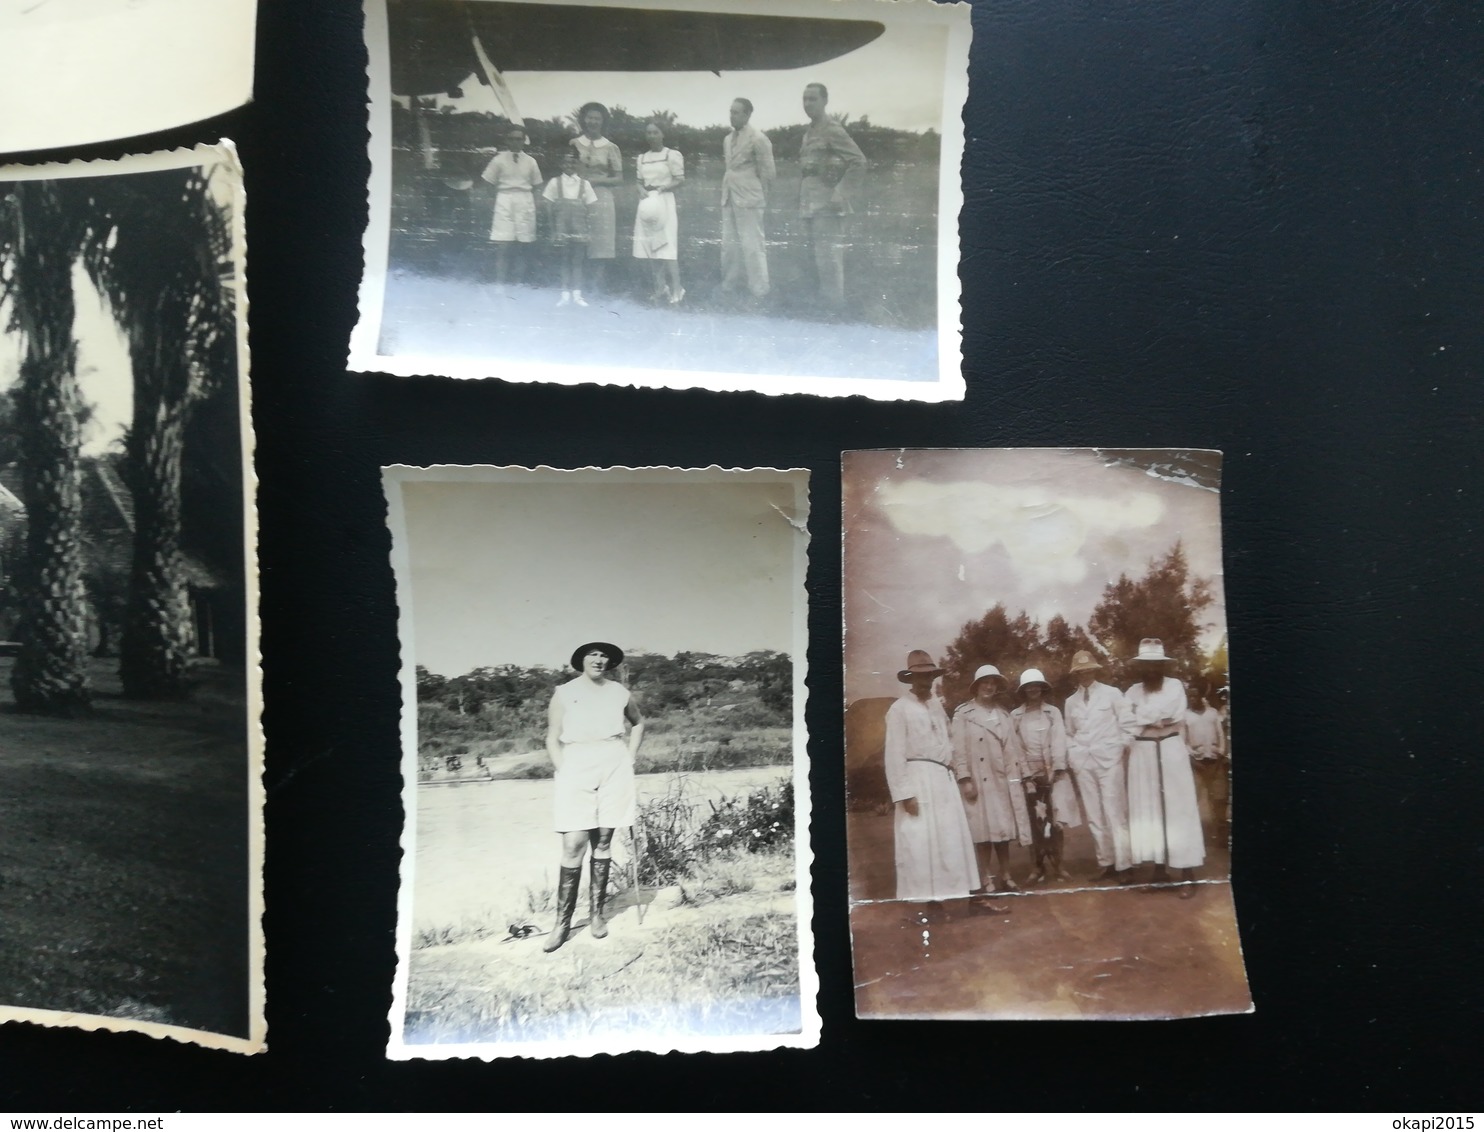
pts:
[764, 821]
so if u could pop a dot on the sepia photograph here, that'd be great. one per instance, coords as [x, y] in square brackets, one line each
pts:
[131, 845]
[1037, 738]
[703, 193]
[604, 774]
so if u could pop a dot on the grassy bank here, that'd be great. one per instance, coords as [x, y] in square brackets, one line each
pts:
[123, 858]
[717, 953]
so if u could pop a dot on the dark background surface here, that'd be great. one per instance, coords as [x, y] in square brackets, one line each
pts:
[1255, 226]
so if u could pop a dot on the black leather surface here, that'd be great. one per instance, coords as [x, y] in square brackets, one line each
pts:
[1255, 225]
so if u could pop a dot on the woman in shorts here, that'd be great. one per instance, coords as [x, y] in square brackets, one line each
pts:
[593, 790]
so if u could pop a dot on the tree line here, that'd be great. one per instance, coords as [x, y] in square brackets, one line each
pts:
[462, 139]
[158, 248]
[509, 701]
[1165, 602]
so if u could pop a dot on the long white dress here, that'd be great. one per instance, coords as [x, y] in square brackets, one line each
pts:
[1164, 826]
[934, 851]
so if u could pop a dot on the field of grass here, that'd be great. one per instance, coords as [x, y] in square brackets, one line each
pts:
[891, 263]
[123, 857]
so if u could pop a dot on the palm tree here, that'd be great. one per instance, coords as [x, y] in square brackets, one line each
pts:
[40, 233]
[161, 257]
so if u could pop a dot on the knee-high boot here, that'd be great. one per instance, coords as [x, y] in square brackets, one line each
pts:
[597, 896]
[566, 902]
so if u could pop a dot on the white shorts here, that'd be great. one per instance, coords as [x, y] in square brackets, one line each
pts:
[594, 788]
[515, 217]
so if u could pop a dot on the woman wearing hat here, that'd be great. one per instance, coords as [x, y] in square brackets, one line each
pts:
[1164, 818]
[593, 791]
[934, 851]
[985, 750]
[661, 171]
[1042, 739]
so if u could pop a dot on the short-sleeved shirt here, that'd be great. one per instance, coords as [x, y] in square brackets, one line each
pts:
[591, 712]
[823, 143]
[569, 186]
[660, 170]
[513, 171]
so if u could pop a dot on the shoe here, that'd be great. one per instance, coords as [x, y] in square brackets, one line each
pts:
[677, 296]
[1008, 885]
[1108, 873]
[1037, 877]
[566, 299]
[1187, 890]
[578, 299]
[566, 902]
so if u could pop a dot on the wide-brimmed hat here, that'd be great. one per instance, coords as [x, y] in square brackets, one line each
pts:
[612, 652]
[919, 663]
[987, 672]
[1033, 676]
[1083, 661]
[1153, 649]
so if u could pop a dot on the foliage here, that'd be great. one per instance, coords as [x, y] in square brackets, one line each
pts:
[673, 845]
[765, 820]
[1166, 602]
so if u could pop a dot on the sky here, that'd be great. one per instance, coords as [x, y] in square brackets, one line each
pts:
[897, 79]
[102, 364]
[936, 538]
[523, 573]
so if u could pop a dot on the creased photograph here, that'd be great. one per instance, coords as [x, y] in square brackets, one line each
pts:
[1037, 741]
[74, 72]
[689, 194]
[605, 781]
[130, 694]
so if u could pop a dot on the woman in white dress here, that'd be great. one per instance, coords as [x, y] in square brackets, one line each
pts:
[1164, 817]
[656, 225]
[985, 750]
[593, 789]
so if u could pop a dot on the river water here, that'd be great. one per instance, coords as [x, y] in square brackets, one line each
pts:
[481, 845]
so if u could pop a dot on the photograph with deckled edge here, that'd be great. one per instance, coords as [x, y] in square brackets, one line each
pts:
[1037, 743]
[76, 72]
[692, 194]
[605, 781]
[132, 846]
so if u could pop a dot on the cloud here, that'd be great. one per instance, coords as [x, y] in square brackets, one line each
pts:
[1042, 530]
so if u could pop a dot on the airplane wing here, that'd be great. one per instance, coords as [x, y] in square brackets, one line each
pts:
[432, 41]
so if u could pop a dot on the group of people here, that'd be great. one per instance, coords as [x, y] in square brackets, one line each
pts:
[1127, 763]
[584, 215]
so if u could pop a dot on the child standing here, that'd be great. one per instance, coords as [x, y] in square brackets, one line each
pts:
[514, 174]
[569, 195]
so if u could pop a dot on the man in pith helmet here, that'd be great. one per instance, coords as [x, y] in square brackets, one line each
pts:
[1099, 730]
[1164, 818]
[934, 852]
[593, 792]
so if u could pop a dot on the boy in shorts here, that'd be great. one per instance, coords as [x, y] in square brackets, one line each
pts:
[514, 175]
[568, 195]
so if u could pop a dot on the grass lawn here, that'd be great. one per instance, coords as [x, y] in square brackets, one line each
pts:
[123, 856]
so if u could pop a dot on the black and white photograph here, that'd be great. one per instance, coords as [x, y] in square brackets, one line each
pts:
[1038, 752]
[131, 839]
[704, 193]
[605, 782]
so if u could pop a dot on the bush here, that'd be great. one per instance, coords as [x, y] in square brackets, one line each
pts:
[764, 821]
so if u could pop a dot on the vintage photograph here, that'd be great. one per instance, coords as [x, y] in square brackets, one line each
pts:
[703, 193]
[79, 71]
[605, 779]
[131, 839]
[1038, 750]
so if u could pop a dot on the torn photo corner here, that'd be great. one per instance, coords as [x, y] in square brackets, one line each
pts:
[90, 71]
[605, 780]
[130, 691]
[1037, 743]
[711, 194]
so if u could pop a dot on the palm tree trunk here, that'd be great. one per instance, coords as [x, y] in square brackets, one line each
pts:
[50, 673]
[155, 648]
